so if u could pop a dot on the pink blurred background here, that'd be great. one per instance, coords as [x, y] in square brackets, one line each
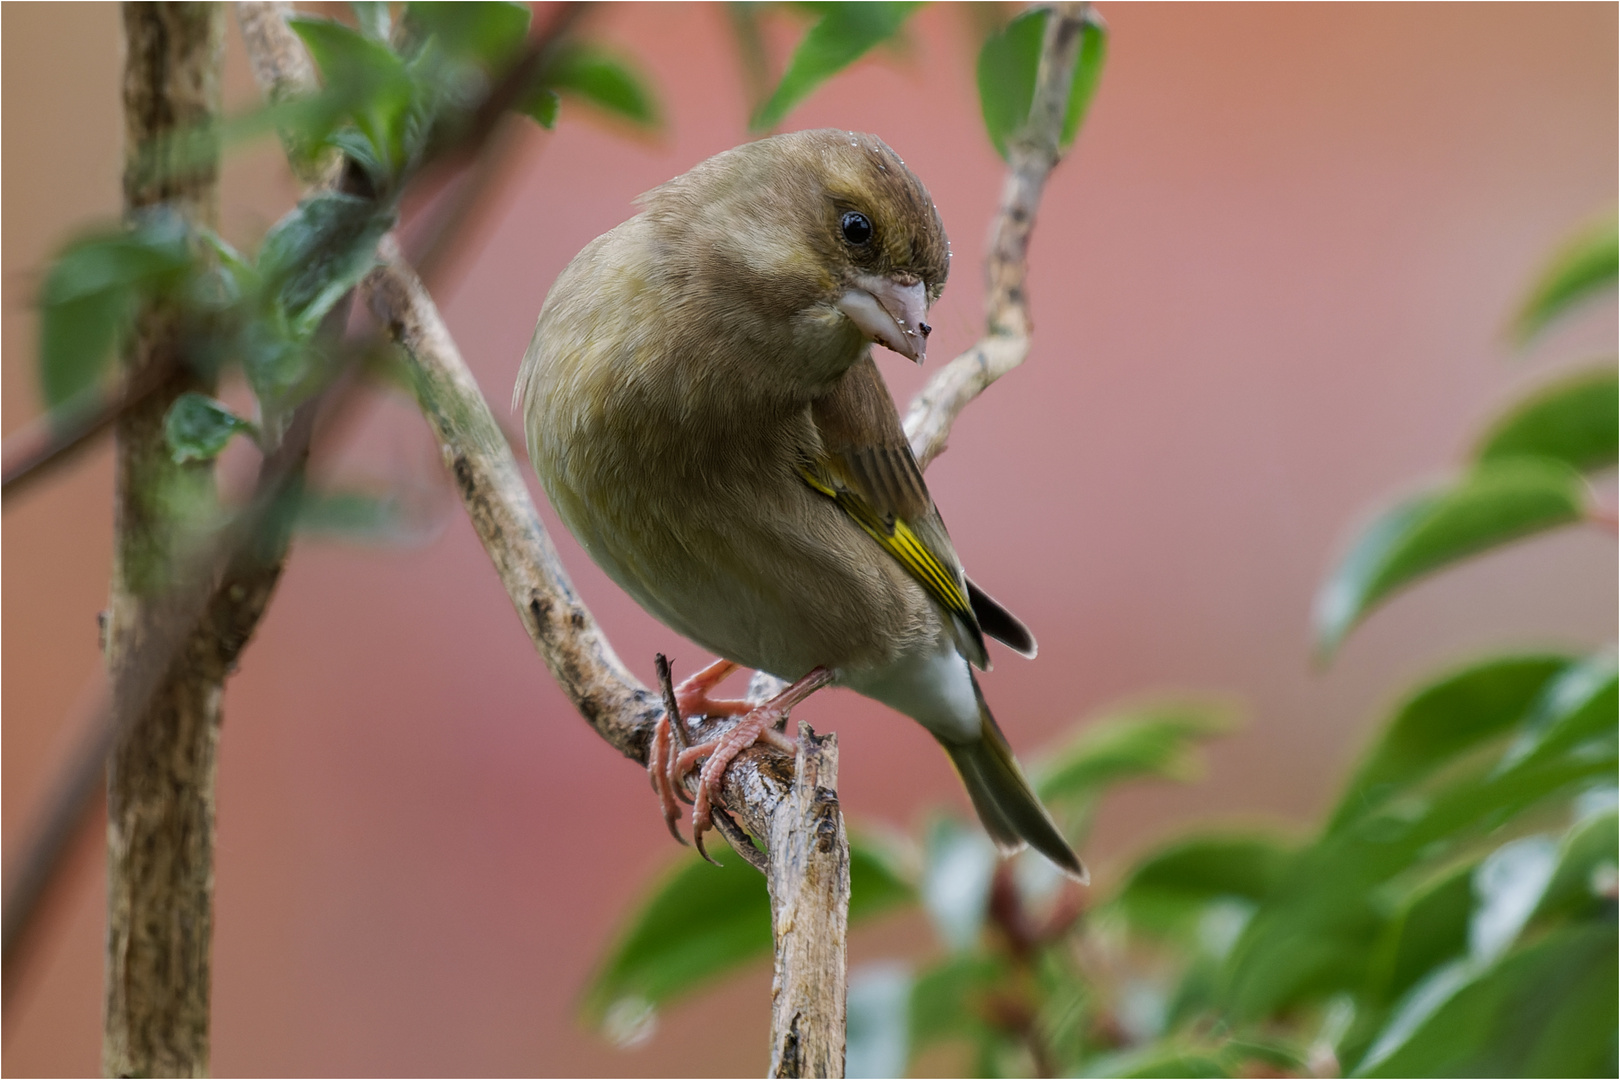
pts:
[1269, 288]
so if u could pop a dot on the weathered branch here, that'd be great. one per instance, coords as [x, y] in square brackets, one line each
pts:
[1032, 153]
[160, 774]
[809, 882]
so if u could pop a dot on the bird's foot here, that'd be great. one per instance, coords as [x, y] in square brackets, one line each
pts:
[692, 696]
[660, 763]
[759, 725]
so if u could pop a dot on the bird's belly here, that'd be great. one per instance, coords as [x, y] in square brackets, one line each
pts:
[782, 588]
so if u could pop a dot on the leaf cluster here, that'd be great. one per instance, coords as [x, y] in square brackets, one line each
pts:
[393, 97]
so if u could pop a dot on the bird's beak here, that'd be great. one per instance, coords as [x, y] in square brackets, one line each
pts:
[890, 313]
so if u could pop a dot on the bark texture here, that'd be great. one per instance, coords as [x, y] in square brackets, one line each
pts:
[160, 774]
[809, 882]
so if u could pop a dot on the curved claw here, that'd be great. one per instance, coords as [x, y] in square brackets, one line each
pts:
[697, 840]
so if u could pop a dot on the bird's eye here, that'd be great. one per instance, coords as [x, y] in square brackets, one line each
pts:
[857, 227]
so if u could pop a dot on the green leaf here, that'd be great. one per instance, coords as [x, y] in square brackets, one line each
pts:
[1442, 721]
[1585, 266]
[363, 517]
[702, 921]
[488, 32]
[842, 35]
[92, 292]
[1575, 421]
[366, 82]
[1159, 1059]
[197, 427]
[945, 999]
[875, 881]
[1008, 63]
[1171, 888]
[1150, 741]
[318, 252]
[1546, 1010]
[699, 922]
[1497, 503]
[600, 79]
[1579, 704]
[1586, 869]
[1430, 929]
[542, 108]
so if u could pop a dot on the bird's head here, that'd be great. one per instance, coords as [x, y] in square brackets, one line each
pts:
[820, 241]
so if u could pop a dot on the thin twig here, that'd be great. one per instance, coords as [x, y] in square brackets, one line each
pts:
[1032, 153]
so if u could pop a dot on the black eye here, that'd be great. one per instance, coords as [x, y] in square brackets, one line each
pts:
[857, 229]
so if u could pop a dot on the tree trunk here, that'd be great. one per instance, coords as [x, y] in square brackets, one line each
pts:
[160, 776]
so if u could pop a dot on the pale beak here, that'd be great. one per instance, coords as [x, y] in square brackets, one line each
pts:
[890, 314]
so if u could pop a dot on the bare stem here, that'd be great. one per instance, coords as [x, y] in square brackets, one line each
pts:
[1032, 154]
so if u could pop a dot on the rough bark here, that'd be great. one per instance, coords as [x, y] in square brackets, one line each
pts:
[809, 883]
[160, 773]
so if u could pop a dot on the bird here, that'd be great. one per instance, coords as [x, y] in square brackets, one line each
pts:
[703, 408]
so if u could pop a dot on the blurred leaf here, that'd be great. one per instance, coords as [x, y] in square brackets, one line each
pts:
[363, 517]
[1579, 704]
[1495, 504]
[945, 999]
[878, 1038]
[960, 862]
[365, 82]
[842, 35]
[319, 251]
[1158, 1059]
[1008, 64]
[197, 427]
[699, 921]
[602, 80]
[1442, 721]
[1586, 868]
[702, 921]
[1546, 1010]
[1586, 265]
[91, 293]
[372, 17]
[875, 882]
[542, 108]
[1153, 740]
[488, 32]
[1575, 421]
[1170, 888]
[1431, 929]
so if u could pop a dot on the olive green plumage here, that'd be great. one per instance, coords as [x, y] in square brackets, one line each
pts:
[703, 408]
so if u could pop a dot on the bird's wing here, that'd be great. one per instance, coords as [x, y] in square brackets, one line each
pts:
[866, 467]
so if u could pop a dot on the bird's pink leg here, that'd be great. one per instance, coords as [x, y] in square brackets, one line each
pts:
[692, 696]
[759, 725]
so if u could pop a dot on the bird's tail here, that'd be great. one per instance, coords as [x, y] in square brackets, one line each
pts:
[1011, 812]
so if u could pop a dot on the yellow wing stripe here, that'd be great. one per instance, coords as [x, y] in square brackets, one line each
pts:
[900, 542]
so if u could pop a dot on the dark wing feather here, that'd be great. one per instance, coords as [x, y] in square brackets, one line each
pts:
[867, 468]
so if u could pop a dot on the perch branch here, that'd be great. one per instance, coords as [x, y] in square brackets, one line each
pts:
[1032, 153]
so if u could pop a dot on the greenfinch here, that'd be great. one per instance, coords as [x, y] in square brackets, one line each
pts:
[703, 409]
